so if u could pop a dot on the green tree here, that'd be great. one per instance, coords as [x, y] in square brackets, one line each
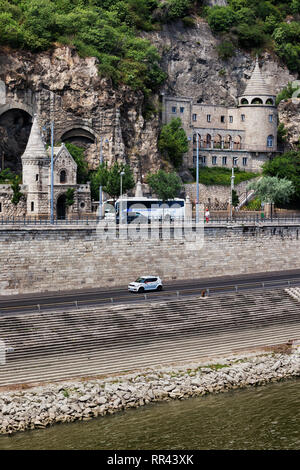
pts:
[286, 166]
[15, 186]
[173, 142]
[165, 185]
[235, 198]
[70, 197]
[82, 165]
[221, 18]
[272, 189]
[110, 180]
[6, 176]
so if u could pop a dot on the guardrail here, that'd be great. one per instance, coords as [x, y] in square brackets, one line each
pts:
[155, 296]
[236, 218]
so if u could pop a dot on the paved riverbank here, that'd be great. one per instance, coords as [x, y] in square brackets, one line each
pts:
[82, 400]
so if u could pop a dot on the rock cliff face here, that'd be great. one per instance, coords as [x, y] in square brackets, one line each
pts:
[289, 112]
[62, 86]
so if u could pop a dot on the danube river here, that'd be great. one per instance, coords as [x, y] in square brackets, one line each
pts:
[254, 418]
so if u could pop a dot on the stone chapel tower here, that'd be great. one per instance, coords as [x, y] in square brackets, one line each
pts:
[35, 163]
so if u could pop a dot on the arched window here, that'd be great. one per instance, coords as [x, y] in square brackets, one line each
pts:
[270, 101]
[63, 176]
[244, 101]
[237, 144]
[256, 101]
[270, 141]
[217, 141]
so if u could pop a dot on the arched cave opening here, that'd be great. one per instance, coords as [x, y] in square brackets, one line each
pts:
[15, 125]
[79, 137]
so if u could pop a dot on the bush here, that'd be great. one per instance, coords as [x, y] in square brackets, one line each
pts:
[173, 142]
[221, 176]
[221, 18]
[226, 50]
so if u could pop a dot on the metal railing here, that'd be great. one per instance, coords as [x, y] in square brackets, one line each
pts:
[162, 296]
[238, 218]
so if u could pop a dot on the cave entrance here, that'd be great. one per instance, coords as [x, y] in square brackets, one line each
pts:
[79, 137]
[15, 126]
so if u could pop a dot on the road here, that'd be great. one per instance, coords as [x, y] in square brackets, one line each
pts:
[61, 300]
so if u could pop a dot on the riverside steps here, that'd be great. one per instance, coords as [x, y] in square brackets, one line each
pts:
[55, 346]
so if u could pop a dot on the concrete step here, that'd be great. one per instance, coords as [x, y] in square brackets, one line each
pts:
[98, 340]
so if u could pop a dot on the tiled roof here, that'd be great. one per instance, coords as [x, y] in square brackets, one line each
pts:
[257, 85]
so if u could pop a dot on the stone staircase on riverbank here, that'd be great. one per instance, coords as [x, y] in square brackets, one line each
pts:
[59, 345]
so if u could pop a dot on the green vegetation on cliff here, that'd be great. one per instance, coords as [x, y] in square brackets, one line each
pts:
[111, 30]
[221, 176]
[256, 24]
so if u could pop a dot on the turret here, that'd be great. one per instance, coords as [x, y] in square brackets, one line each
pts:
[35, 163]
[258, 114]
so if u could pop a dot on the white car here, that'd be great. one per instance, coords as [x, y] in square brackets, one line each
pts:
[145, 283]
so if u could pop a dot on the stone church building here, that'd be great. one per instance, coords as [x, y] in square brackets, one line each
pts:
[36, 187]
[243, 136]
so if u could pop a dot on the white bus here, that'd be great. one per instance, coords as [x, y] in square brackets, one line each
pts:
[147, 209]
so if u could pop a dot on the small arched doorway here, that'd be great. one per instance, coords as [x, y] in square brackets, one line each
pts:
[61, 207]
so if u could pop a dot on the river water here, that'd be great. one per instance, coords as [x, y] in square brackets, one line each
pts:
[254, 418]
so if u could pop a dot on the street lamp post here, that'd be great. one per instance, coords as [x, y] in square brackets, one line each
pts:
[100, 187]
[52, 172]
[232, 188]
[197, 181]
[121, 195]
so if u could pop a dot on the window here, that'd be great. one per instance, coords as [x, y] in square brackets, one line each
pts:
[270, 140]
[224, 160]
[214, 160]
[202, 161]
[230, 118]
[256, 101]
[181, 110]
[208, 117]
[244, 101]
[270, 101]
[174, 109]
[63, 176]
[270, 117]
[245, 161]
[194, 117]
[243, 117]
[222, 118]
[235, 161]
[32, 207]
[36, 177]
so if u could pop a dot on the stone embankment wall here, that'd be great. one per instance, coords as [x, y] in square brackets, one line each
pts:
[70, 401]
[38, 260]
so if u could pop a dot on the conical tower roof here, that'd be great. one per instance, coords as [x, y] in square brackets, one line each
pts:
[257, 86]
[35, 148]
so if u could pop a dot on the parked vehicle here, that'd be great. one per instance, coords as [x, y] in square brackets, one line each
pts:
[146, 283]
[148, 209]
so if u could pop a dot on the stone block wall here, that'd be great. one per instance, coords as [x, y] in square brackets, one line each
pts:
[42, 260]
[215, 196]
